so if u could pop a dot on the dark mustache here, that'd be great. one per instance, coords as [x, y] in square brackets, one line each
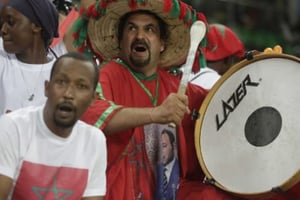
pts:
[139, 42]
[66, 104]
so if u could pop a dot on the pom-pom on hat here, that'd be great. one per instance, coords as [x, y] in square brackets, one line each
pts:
[222, 43]
[96, 31]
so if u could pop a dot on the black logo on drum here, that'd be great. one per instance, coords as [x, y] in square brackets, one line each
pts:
[233, 101]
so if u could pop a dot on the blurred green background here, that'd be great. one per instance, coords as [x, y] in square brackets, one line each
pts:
[258, 23]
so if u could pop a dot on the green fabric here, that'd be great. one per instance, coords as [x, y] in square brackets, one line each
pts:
[188, 16]
[175, 12]
[105, 114]
[108, 111]
[202, 60]
[80, 27]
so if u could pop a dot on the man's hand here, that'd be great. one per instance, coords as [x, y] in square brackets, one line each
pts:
[172, 110]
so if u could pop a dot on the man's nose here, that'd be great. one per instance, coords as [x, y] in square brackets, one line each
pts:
[69, 92]
[3, 29]
[140, 34]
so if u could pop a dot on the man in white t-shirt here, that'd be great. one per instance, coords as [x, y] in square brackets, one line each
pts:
[45, 151]
[205, 78]
[223, 51]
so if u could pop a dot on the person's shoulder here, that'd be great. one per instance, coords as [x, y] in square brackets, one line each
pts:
[91, 136]
[206, 78]
[59, 49]
[210, 75]
[24, 111]
[168, 81]
[20, 116]
[168, 76]
[113, 69]
[52, 57]
[89, 129]
[208, 72]
[109, 64]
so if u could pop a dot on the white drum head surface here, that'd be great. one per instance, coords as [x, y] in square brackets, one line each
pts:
[248, 134]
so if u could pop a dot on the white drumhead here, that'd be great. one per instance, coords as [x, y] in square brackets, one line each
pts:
[248, 134]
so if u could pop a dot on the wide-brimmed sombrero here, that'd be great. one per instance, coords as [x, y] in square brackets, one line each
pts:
[96, 29]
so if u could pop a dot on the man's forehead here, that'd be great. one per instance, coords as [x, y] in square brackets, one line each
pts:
[72, 64]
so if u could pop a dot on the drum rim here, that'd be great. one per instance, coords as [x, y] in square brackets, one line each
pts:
[204, 106]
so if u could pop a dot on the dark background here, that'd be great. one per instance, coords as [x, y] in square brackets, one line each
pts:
[258, 23]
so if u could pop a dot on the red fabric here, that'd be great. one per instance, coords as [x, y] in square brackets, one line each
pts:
[63, 27]
[222, 43]
[291, 194]
[127, 155]
[196, 190]
[36, 181]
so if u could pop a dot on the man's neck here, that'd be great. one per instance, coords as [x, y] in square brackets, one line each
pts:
[146, 71]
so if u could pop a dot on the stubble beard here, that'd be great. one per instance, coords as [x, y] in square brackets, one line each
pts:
[64, 124]
[140, 63]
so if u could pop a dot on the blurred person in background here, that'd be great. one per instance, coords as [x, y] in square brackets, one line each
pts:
[27, 29]
[224, 49]
[68, 13]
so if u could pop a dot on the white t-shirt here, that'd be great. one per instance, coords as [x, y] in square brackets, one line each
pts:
[60, 49]
[205, 78]
[44, 164]
[21, 84]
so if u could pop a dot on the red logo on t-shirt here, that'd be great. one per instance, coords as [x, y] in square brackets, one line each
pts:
[43, 182]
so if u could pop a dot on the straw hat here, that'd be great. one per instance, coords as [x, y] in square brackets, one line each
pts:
[102, 19]
[223, 43]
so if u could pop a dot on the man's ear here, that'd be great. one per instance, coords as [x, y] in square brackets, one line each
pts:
[162, 46]
[95, 96]
[46, 86]
[36, 28]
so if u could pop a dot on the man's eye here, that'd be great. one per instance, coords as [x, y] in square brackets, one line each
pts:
[131, 28]
[10, 21]
[82, 86]
[61, 82]
[150, 29]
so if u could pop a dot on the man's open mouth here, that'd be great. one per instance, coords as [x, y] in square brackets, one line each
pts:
[139, 48]
[66, 108]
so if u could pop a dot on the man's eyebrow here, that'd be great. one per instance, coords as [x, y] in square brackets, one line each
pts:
[151, 24]
[130, 23]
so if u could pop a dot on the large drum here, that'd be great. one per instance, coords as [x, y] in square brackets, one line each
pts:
[248, 133]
